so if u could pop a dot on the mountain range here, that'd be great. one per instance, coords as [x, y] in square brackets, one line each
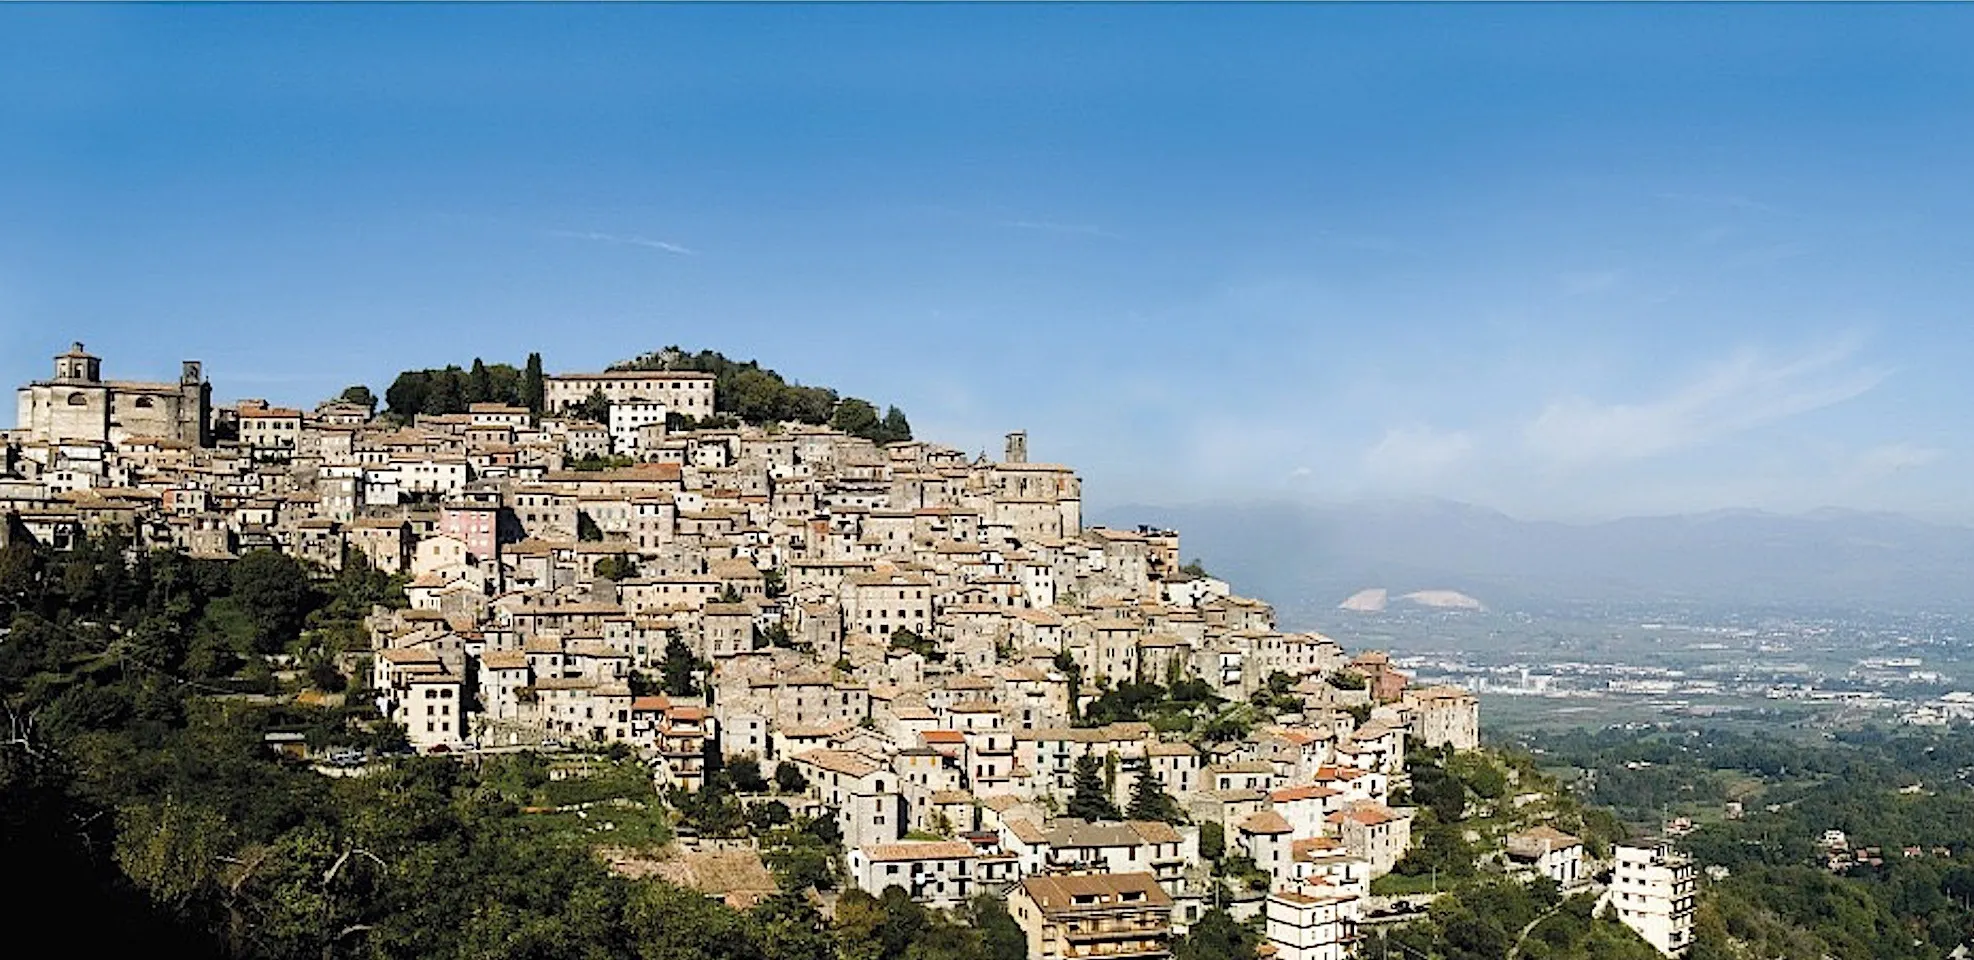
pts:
[1306, 557]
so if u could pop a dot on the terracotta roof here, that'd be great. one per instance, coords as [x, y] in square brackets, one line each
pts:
[1308, 791]
[504, 660]
[1059, 893]
[920, 850]
[1368, 814]
[838, 761]
[1267, 821]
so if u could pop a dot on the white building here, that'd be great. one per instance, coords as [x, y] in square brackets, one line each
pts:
[937, 873]
[628, 418]
[1312, 923]
[1652, 889]
[1549, 852]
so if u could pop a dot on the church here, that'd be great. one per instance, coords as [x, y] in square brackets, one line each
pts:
[79, 406]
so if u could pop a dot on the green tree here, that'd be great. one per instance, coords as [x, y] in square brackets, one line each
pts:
[1212, 840]
[789, 779]
[359, 395]
[586, 528]
[678, 668]
[745, 774]
[534, 385]
[857, 418]
[594, 408]
[1001, 938]
[1149, 801]
[408, 394]
[479, 383]
[1088, 800]
[618, 567]
[1216, 936]
[175, 851]
[895, 428]
[273, 591]
[448, 392]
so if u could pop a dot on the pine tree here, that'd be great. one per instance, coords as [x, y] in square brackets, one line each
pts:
[1149, 801]
[1089, 800]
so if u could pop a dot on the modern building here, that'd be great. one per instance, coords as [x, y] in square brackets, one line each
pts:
[1315, 922]
[1652, 889]
[1108, 915]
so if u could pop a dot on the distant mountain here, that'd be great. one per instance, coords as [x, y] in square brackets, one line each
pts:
[1313, 557]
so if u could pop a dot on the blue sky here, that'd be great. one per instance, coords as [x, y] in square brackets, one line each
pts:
[1566, 261]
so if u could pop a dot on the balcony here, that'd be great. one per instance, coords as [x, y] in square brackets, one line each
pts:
[1111, 930]
[1119, 951]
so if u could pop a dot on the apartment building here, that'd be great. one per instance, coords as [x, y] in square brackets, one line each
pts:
[1652, 890]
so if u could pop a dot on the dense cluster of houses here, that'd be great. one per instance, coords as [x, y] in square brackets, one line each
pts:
[913, 629]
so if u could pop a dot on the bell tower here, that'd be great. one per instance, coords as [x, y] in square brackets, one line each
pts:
[1017, 450]
[78, 365]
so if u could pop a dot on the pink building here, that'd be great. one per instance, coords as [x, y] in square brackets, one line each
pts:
[476, 524]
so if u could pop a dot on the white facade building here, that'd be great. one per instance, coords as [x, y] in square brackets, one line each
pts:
[628, 418]
[1652, 889]
[1312, 923]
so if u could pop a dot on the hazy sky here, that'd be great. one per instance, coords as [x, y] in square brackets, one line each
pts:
[1567, 261]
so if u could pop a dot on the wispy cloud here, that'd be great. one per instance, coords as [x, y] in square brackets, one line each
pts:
[1415, 454]
[1742, 393]
[627, 239]
[1048, 226]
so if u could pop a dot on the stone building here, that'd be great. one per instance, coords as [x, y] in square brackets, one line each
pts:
[78, 406]
[681, 391]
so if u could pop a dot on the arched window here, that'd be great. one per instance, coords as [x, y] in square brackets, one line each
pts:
[78, 400]
[146, 403]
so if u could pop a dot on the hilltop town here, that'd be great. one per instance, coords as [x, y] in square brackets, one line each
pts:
[930, 649]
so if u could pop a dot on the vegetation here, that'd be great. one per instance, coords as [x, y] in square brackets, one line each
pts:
[1174, 708]
[138, 787]
[135, 780]
[679, 669]
[452, 390]
[359, 395]
[1217, 936]
[617, 567]
[1506, 918]
[755, 394]
[1089, 798]
[906, 639]
[1902, 889]
[596, 462]
[1149, 801]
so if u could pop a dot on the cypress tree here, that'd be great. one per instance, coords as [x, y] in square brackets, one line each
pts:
[533, 385]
